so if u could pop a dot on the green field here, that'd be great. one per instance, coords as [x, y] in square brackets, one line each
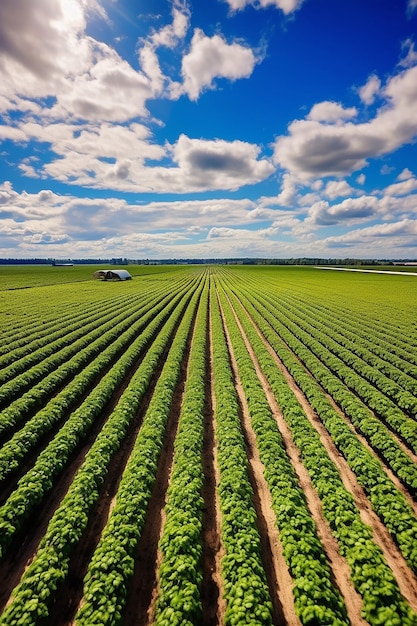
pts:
[208, 445]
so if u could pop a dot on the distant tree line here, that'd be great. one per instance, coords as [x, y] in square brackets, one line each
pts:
[212, 261]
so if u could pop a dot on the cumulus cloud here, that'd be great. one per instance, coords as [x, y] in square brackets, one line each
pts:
[402, 188]
[411, 6]
[370, 90]
[286, 6]
[210, 58]
[401, 234]
[347, 211]
[338, 188]
[45, 52]
[315, 148]
[406, 173]
[330, 112]
[219, 164]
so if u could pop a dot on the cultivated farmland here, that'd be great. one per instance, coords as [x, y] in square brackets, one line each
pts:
[208, 445]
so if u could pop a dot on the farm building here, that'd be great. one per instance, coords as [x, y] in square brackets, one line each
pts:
[112, 275]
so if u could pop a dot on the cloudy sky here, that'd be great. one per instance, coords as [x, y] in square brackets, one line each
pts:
[224, 128]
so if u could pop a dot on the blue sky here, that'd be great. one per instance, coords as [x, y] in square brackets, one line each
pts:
[225, 128]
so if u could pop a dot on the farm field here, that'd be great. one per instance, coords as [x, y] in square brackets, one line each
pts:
[208, 445]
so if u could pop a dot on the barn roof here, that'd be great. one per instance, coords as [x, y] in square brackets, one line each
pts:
[112, 274]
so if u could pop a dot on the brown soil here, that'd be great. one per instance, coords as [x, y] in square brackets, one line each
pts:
[213, 606]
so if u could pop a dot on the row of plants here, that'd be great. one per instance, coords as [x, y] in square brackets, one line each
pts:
[356, 410]
[64, 333]
[386, 500]
[316, 598]
[60, 360]
[179, 601]
[36, 326]
[316, 358]
[39, 480]
[388, 342]
[243, 575]
[68, 335]
[128, 348]
[32, 597]
[371, 576]
[363, 378]
[346, 343]
[21, 408]
[112, 564]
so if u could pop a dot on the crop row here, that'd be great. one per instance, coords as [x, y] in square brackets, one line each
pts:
[64, 333]
[370, 573]
[387, 501]
[318, 599]
[180, 574]
[117, 334]
[345, 363]
[244, 581]
[32, 597]
[54, 363]
[32, 332]
[360, 415]
[112, 564]
[128, 348]
[40, 479]
[395, 377]
[362, 418]
[381, 339]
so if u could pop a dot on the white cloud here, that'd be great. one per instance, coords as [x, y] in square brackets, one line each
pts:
[330, 112]
[338, 188]
[402, 188]
[350, 210]
[370, 90]
[410, 54]
[361, 179]
[211, 58]
[406, 173]
[286, 6]
[316, 149]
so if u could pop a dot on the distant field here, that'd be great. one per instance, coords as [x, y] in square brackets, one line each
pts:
[208, 445]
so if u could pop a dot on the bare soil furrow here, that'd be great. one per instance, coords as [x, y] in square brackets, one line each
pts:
[211, 530]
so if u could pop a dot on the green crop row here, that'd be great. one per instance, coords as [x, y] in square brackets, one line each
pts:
[24, 440]
[387, 501]
[179, 600]
[371, 576]
[20, 360]
[344, 363]
[298, 340]
[32, 597]
[40, 479]
[381, 360]
[31, 335]
[363, 419]
[55, 364]
[62, 365]
[22, 407]
[244, 580]
[112, 564]
[318, 600]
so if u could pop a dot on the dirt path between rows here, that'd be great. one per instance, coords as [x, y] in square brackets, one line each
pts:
[213, 603]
